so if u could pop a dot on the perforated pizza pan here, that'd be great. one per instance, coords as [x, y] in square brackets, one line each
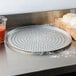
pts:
[37, 39]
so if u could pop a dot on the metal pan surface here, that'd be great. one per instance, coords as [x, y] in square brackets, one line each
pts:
[37, 39]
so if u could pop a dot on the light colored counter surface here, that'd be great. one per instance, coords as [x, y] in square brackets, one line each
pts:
[15, 63]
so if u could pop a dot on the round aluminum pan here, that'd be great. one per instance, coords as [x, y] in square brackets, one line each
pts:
[37, 39]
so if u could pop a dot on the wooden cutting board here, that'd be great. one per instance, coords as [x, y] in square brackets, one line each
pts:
[65, 27]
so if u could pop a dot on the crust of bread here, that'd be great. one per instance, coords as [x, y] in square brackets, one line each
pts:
[59, 23]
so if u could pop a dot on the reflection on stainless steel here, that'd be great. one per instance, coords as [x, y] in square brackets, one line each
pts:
[2, 48]
[14, 63]
[3, 61]
[71, 51]
[2, 51]
[23, 63]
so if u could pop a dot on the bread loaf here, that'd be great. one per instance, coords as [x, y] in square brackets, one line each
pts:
[68, 17]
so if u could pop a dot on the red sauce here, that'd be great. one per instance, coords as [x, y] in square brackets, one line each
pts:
[2, 33]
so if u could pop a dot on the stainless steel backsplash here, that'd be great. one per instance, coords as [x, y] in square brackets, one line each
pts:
[16, 20]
